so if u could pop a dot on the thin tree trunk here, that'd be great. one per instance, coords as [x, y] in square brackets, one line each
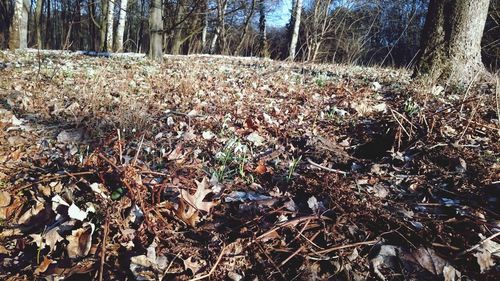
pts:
[155, 31]
[296, 25]
[38, 25]
[18, 34]
[109, 21]
[48, 32]
[205, 27]
[103, 25]
[451, 40]
[219, 29]
[263, 45]
[120, 30]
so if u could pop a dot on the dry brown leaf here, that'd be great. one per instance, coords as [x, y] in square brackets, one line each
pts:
[80, 241]
[188, 211]
[44, 265]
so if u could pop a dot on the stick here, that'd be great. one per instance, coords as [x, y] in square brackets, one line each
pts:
[138, 151]
[326, 168]
[371, 242]
[213, 268]
[120, 145]
[478, 244]
[103, 249]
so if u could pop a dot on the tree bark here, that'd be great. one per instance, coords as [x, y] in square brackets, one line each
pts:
[451, 40]
[38, 23]
[296, 25]
[155, 31]
[109, 21]
[18, 34]
[120, 30]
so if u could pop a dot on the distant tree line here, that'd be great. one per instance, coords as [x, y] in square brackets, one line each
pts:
[370, 32]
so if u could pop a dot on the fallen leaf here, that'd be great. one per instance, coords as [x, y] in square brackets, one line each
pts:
[189, 212]
[80, 241]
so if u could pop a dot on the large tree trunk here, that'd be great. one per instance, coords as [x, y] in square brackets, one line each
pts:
[296, 24]
[18, 34]
[120, 30]
[155, 31]
[109, 21]
[177, 38]
[38, 23]
[451, 40]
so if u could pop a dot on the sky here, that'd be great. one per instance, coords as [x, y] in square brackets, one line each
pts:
[280, 14]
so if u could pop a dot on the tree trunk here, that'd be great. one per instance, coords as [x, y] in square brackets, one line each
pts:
[38, 23]
[103, 24]
[109, 26]
[47, 27]
[18, 34]
[451, 40]
[296, 25]
[155, 31]
[120, 30]
[263, 45]
[177, 38]
[205, 27]
[219, 29]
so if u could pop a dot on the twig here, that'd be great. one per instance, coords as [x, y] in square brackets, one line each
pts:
[371, 242]
[138, 151]
[478, 244]
[326, 168]
[103, 249]
[213, 268]
[120, 145]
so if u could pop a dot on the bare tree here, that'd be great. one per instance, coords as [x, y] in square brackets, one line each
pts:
[451, 42]
[155, 31]
[120, 29]
[178, 27]
[219, 36]
[109, 26]
[295, 32]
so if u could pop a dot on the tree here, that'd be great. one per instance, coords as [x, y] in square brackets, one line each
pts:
[263, 45]
[109, 21]
[18, 34]
[120, 30]
[219, 35]
[296, 25]
[451, 40]
[38, 25]
[155, 31]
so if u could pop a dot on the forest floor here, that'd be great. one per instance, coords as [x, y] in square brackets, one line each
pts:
[211, 167]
